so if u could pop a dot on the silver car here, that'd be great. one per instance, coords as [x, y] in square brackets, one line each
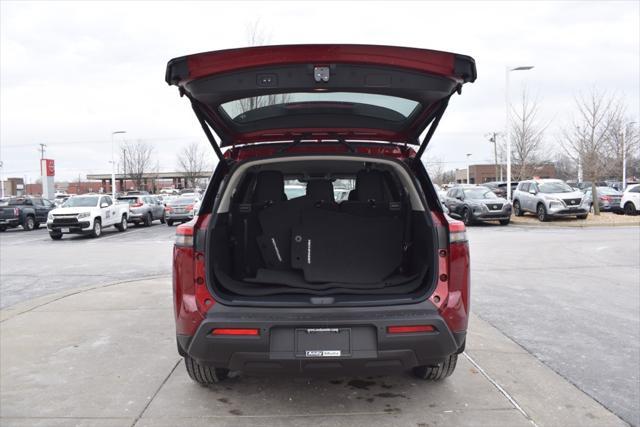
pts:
[181, 209]
[144, 209]
[548, 198]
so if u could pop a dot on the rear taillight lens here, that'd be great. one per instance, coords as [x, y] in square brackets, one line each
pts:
[192, 298]
[168, 208]
[189, 207]
[16, 212]
[451, 295]
[184, 235]
[137, 204]
[605, 198]
[413, 329]
[457, 232]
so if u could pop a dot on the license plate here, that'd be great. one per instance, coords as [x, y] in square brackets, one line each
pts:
[64, 230]
[323, 342]
[178, 210]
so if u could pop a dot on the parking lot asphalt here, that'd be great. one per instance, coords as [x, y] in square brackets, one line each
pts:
[568, 296]
[33, 265]
[107, 357]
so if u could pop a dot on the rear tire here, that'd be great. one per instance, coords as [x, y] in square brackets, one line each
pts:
[517, 210]
[97, 228]
[123, 224]
[629, 209]
[55, 236]
[170, 223]
[204, 375]
[3, 229]
[541, 213]
[438, 372]
[29, 223]
[148, 219]
[505, 221]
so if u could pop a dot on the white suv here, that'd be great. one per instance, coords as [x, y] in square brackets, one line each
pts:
[631, 200]
[548, 198]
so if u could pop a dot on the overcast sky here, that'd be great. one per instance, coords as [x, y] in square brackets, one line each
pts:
[71, 73]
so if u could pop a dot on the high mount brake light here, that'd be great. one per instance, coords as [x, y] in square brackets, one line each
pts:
[184, 235]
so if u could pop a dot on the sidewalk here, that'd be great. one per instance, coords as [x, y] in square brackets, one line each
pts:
[107, 357]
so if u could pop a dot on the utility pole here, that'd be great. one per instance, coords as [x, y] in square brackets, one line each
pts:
[42, 150]
[493, 138]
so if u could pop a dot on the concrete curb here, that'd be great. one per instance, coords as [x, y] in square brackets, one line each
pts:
[564, 225]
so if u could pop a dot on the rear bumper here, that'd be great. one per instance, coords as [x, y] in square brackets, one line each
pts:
[278, 347]
[179, 216]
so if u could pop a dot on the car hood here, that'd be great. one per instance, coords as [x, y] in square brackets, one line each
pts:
[568, 195]
[488, 201]
[319, 92]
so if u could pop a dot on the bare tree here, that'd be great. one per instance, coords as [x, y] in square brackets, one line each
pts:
[192, 161]
[435, 168]
[588, 139]
[137, 159]
[527, 134]
[566, 168]
[623, 135]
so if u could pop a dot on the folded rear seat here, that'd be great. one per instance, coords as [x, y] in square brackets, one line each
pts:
[360, 243]
[278, 220]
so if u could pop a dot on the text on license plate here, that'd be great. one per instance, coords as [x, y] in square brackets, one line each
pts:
[323, 353]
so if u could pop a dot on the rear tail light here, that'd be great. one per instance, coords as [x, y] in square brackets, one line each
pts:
[16, 212]
[410, 329]
[184, 235]
[457, 232]
[168, 208]
[236, 331]
[606, 198]
[188, 207]
[137, 204]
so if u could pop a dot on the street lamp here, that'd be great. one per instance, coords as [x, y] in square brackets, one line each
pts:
[468, 166]
[624, 155]
[113, 165]
[506, 124]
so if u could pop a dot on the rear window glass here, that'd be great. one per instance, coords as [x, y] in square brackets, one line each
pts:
[255, 108]
[184, 200]
[130, 200]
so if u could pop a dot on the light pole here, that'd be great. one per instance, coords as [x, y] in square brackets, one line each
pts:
[624, 155]
[507, 70]
[468, 166]
[113, 165]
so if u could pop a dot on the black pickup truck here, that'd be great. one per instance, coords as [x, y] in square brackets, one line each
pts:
[29, 212]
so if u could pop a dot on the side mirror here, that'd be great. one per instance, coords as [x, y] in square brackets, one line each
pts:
[104, 205]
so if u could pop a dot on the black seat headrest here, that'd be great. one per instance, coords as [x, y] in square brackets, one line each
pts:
[320, 190]
[370, 186]
[269, 187]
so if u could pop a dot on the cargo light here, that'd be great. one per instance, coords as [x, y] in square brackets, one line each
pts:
[236, 331]
[410, 329]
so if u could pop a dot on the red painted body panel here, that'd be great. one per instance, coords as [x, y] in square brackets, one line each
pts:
[265, 150]
[224, 61]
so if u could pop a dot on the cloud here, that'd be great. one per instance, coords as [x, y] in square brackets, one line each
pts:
[71, 72]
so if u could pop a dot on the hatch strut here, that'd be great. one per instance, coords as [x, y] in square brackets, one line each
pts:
[434, 121]
[207, 130]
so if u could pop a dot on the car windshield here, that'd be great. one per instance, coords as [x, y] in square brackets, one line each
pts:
[479, 193]
[554, 187]
[380, 106]
[81, 202]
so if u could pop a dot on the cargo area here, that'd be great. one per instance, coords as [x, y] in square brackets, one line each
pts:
[320, 227]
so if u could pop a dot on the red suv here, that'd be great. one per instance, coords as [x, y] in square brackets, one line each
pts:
[276, 273]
